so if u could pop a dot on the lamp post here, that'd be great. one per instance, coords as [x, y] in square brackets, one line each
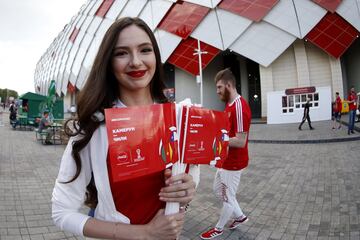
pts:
[199, 53]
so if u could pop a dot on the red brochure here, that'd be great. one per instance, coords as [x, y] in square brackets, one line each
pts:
[142, 140]
[206, 136]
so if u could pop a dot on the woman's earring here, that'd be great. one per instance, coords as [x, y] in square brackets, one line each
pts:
[97, 116]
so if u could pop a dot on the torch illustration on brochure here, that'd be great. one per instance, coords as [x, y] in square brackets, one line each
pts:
[167, 152]
[220, 148]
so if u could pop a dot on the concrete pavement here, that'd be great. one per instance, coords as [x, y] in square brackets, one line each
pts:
[289, 133]
[289, 191]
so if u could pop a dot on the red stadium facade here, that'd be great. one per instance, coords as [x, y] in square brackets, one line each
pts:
[270, 45]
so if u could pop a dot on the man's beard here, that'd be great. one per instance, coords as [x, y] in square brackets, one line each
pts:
[226, 96]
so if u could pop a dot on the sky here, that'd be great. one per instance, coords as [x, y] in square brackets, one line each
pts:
[27, 28]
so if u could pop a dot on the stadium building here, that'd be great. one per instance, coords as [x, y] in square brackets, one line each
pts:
[281, 51]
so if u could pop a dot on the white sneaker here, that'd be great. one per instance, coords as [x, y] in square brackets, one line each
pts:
[238, 221]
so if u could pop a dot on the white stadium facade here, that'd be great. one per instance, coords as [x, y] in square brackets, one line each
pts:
[281, 51]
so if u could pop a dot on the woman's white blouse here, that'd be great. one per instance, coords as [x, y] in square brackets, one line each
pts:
[68, 198]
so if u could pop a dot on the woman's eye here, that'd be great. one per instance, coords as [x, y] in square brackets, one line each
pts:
[119, 53]
[146, 50]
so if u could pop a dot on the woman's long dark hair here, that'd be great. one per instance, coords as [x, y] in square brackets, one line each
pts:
[102, 89]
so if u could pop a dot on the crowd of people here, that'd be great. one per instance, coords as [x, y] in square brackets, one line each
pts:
[337, 109]
[353, 107]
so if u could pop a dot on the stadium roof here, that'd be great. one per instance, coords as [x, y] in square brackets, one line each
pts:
[260, 30]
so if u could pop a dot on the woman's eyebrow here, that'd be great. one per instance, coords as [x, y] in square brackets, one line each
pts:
[140, 45]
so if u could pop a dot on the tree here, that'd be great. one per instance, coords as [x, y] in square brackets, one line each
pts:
[6, 93]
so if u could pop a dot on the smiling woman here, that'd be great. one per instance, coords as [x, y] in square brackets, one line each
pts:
[134, 64]
[127, 71]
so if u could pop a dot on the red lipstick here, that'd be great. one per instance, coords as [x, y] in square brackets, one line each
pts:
[136, 74]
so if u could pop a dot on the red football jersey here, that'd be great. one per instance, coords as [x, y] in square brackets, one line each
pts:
[138, 198]
[352, 97]
[240, 118]
[338, 104]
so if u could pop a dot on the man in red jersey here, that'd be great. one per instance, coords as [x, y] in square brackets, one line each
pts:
[352, 110]
[337, 111]
[227, 178]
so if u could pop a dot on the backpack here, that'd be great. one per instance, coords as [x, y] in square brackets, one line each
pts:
[12, 115]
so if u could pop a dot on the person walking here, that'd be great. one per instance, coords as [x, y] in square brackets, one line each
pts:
[306, 115]
[352, 110]
[127, 71]
[337, 111]
[13, 116]
[227, 179]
